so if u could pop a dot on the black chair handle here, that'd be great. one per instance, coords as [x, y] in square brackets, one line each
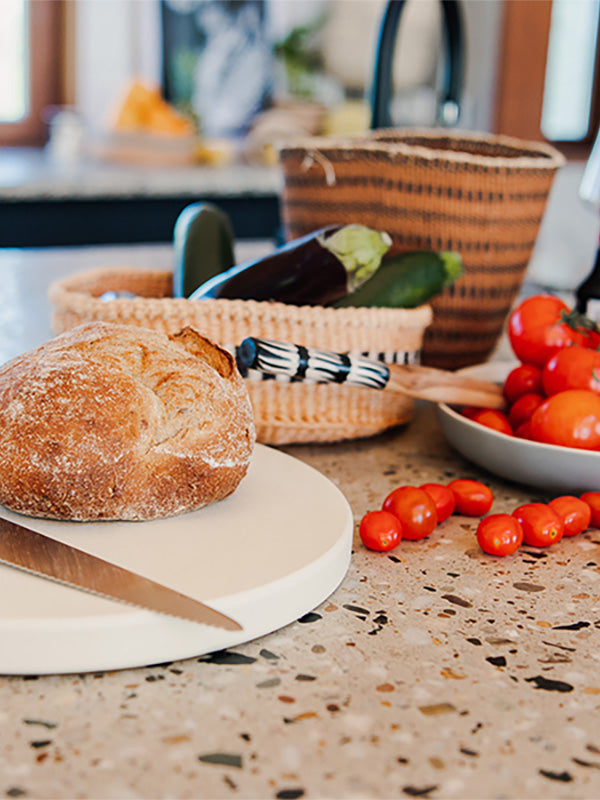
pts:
[452, 82]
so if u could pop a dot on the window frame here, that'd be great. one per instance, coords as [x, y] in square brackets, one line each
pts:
[524, 51]
[46, 23]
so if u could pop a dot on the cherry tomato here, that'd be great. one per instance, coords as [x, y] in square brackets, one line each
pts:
[592, 499]
[499, 534]
[572, 368]
[570, 419]
[470, 411]
[522, 409]
[521, 380]
[496, 420]
[524, 431]
[536, 329]
[574, 513]
[443, 498]
[415, 509]
[541, 524]
[473, 498]
[380, 530]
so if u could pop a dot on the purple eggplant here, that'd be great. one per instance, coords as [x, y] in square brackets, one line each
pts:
[317, 269]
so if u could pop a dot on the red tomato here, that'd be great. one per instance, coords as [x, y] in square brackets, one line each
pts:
[496, 420]
[380, 530]
[442, 497]
[521, 380]
[572, 368]
[522, 409]
[570, 419]
[541, 524]
[470, 411]
[499, 534]
[524, 431]
[575, 514]
[414, 508]
[473, 498]
[592, 499]
[536, 329]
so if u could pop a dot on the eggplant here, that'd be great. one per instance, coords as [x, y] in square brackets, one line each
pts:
[317, 269]
[203, 244]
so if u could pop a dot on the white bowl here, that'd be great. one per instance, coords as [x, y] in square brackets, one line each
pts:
[556, 469]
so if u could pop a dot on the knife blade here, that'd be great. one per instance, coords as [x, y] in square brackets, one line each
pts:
[37, 553]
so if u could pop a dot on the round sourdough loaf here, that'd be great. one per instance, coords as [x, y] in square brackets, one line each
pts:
[109, 422]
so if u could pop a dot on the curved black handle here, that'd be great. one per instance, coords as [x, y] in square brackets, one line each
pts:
[452, 83]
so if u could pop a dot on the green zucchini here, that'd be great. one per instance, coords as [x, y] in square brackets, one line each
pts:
[406, 280]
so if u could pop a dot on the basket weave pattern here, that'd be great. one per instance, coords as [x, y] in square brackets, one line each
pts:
[482, 196]
[285, 412]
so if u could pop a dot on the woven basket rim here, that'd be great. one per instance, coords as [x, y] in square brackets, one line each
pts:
[548, 156]
[71, 289]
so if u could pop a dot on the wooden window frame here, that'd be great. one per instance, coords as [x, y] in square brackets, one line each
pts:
[47, 56]
[521, 76]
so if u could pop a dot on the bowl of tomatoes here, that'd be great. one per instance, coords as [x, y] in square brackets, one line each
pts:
[548, 434]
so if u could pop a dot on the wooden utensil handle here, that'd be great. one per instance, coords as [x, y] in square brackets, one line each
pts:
[322, 366]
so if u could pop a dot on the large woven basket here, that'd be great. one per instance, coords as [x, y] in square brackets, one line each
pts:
[481, 195]
[285, 412]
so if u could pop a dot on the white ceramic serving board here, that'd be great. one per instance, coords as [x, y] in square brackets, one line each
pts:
[265, 556]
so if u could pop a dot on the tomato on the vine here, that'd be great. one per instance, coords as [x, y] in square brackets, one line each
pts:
[536, 329]
[380, 530]
[473, 498]
[491, 418]
[499, 534]
[523, 379]
[415, 509]
[572, 368]
[570, 419]
[575, 513]
[541, 524]
[592, 499]
[443, 497]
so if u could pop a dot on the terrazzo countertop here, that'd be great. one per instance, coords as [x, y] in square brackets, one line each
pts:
[432, 671]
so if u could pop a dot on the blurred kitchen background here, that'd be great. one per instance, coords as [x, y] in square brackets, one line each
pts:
[115, 114]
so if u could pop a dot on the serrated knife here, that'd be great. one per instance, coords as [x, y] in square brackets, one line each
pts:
[34, 552]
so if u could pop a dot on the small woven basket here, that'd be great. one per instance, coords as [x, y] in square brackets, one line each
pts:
[285, 411]
[481, 195]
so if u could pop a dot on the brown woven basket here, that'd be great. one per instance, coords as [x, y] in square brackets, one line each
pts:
[481, 195]
[285, 412]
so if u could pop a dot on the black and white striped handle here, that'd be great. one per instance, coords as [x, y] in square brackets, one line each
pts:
[305, 363]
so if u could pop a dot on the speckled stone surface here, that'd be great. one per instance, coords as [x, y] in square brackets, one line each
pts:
[432, 671]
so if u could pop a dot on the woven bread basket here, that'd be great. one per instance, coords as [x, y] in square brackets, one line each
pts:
[285, 412]
[481, 195]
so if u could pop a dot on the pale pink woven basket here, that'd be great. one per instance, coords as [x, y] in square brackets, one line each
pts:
[285, 412]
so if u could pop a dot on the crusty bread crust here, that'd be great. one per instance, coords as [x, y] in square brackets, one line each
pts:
[109, 422]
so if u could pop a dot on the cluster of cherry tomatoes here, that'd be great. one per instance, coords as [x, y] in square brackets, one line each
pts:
[553, 395]
[413, 512]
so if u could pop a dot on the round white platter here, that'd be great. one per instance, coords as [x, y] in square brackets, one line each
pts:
[265, 556]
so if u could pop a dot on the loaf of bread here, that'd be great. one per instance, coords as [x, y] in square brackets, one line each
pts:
[114, 422]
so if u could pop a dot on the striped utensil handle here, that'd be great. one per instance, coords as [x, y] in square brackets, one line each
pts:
[304, 363]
